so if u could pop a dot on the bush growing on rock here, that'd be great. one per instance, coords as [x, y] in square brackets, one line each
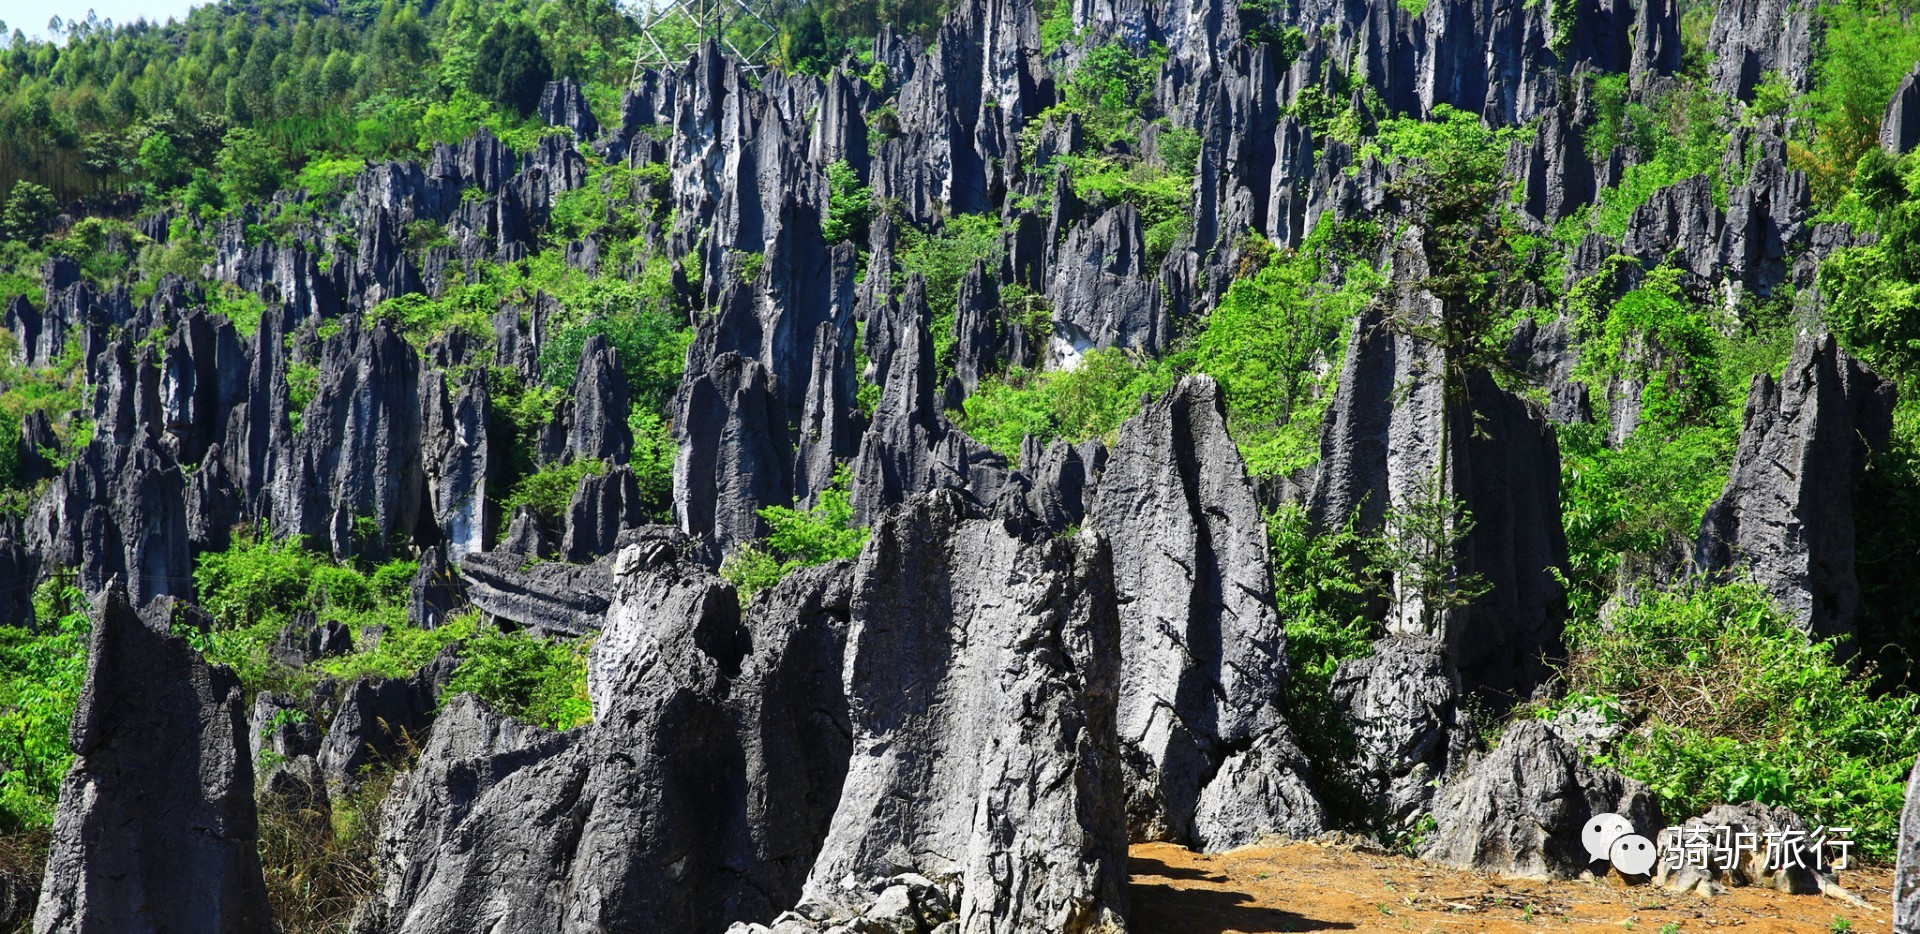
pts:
[1723, 699]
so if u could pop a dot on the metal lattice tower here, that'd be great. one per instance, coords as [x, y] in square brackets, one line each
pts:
[672, 30]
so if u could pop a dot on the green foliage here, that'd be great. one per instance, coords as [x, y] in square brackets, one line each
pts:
[1274, 343]
[1731, 702]
[1413, 8]
[1873, 291]
[243, 308]
[547, 491]
[249, 169]
[514, 69]
[1323, 586]
[541, 681]
[1657, 337]
[943, 259]
[799, 538]
[849, 205]
[1865, 49]
[1088, 401]
[1455, 180]
[1110, 90]
[29, 208]
[255, 581]
[257, 586]
[1625, 507]
[41, 674]
[303, 384]
[1676, 136]
[1161, 194]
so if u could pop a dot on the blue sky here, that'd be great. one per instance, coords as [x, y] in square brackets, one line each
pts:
[30, 16]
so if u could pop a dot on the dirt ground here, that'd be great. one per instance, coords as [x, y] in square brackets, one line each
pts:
[1310, 887]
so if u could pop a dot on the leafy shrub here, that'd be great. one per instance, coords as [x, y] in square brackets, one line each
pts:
[1865, 50]
[526, 676]
[849, 204]
[1088, 401]
[799, 538]
[943, 259]
[1655, 336]
[1731, 702]
[548, 490]
[1110, 90]
[41, 674]
[256, 580]
[1274, 344]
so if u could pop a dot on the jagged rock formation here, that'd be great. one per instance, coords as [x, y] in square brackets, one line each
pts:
[1518, 810]
[1409, 728]
[1900, 127]
[1906, 877]
[982, 673]
[1203, 657]
[156, 827]
[1786, 517]
[696, 798]
[1392, 441]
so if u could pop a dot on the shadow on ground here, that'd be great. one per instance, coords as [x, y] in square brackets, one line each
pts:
[1183, 900]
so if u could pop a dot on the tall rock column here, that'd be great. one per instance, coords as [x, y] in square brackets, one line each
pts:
[1209, 760]
[1786, 516]
[981, 672]
[156, 829]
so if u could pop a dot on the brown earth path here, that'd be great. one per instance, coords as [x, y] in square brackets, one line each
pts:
[1313, 887]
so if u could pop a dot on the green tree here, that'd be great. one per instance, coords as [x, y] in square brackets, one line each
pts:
[250, 170]
[29, 208]
[512, 69]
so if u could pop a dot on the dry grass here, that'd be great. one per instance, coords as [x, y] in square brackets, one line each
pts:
[23, 856]
[320, 865]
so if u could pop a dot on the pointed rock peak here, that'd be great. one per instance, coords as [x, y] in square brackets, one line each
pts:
[1802, 452]
[563, 104]
[156, 828]
[1212, 767]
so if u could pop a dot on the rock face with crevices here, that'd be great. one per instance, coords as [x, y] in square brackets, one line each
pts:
[156, 826]
[1906, 877]
[696, 798]
[982, 678]
[1203, 656]
[1518, 809]
[1787, 515]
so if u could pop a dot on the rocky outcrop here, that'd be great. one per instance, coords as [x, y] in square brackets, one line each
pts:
[735, 457]
[563, 104]
[1906, 876]
[982, 673]
[910, 448]
[1392, 442]
[1410, 732]
[1787, 515]
[551, 597]
[1203, 654]
[1900, 126]
[695, 799]
[379, 722]
[1519, 809]
[598, 419]
[1753, 39]
[603, 506]
[156, 825]
[1100, 292]
[355, 483]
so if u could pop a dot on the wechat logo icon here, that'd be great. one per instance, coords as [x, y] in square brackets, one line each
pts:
[1610, 838]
